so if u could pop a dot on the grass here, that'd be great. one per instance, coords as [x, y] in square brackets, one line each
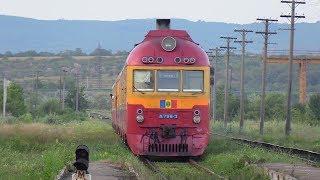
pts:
[40, 151]
[230, 159]
[302, 136]
[227, 159]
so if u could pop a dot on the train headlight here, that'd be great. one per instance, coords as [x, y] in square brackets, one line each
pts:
[145, 60]
[196, 112]
[177, 60]
[192, 60]
[140, 118]
[196, 119]
[168, 43]
[140, 111]
[150, 60]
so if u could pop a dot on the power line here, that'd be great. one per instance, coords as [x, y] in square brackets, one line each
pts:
[293, 4]
[226, 88]
[266, 34]
[243, 43]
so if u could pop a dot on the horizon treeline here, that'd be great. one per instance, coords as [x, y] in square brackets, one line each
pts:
[65, 53]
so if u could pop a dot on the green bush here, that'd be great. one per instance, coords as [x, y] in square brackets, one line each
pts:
[314, 105]
[51, 106]
[26, 118]
[274, 106]
[233, 105]
[65, 118]
[15, 100]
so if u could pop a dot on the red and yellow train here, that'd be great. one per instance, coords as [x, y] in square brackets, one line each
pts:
[161, 98]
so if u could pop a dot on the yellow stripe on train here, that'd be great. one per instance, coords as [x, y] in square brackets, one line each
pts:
[180, 103]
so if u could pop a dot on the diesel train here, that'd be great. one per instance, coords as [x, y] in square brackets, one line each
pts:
[161, 98]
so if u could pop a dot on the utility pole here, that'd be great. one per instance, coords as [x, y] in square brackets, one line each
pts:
[77, 93]
[230, 68]
[214, 84]
[243, 43]
[77, 73]
[266, 33]
[226, 88]
[60, 89]
[292, 17]
[209, 53]
[36, 90]
[63, 72]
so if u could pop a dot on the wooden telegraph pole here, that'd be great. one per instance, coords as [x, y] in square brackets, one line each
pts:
[243, 43]
[226, 87]
[266, 33]
[292, 17]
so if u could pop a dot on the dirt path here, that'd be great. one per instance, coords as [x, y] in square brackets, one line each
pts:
[105, 171]
[300, 172]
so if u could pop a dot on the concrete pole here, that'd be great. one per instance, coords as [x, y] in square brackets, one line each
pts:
[4, 97]
[77, 92]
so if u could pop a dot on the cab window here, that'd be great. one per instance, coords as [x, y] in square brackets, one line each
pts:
[143, 80]
[168, 81]
[193, 81]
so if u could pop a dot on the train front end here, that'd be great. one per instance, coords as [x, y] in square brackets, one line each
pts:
[168, 96]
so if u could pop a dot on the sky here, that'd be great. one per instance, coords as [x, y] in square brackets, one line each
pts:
[231, 11]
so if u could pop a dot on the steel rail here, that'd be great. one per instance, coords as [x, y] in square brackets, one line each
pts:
[203, 168]
[151, 165]
[311, 156]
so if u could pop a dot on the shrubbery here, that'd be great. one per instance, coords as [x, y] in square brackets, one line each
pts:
[275, 108]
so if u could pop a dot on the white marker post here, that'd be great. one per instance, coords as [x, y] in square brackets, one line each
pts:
[5, 85]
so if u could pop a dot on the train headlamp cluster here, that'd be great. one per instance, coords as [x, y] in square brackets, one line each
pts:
[152, 60]
[185, 60]
[196, 117]
[140, 117]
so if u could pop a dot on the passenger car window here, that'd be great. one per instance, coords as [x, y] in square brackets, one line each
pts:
[143, 80]
[168, 81]
[192, 81]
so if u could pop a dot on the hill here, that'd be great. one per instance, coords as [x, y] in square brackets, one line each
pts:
[20, 34]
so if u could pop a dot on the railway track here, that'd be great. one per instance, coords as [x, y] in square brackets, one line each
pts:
[153, 167]
[310, 156]
[99, 116]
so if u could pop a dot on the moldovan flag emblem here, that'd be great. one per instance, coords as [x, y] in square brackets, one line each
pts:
[168, 104]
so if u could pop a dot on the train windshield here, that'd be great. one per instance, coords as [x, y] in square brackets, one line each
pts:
[168, 81]
[192, 81]
[143, 80]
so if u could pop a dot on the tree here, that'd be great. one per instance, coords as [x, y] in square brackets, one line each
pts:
[314, 105]
[71, 98]
[101, 101]
[101, 52]
[50, 106]
[233, 105]
[15, 102]
[79, 52]
[8, 54]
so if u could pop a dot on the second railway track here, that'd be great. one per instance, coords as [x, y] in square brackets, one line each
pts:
[310, 156]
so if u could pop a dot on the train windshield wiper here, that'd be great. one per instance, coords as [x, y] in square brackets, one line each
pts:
[137, 90]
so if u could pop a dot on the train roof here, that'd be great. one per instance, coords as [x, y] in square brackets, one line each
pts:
[152, 52]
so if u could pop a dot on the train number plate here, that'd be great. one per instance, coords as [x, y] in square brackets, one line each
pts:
[168, 116]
